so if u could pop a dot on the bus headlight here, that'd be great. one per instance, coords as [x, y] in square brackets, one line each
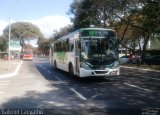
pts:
[116, 65]
[113, 65]
[85, 66]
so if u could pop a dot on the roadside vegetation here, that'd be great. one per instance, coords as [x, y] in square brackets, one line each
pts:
[135, 21]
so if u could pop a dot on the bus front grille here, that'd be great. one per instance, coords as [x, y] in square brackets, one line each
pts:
[101, 72]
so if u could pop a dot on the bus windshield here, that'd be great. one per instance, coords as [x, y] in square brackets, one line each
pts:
[28, 52]
[99, 50]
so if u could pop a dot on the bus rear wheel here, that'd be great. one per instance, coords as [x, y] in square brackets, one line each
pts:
[71, 73]
[55, 65]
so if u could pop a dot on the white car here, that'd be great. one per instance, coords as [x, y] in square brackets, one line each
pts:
[124, 59]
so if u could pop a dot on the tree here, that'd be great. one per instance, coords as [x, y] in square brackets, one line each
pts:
[63, 31]
[155, 43]
[101, 13]
[84, 12]
[145, 17]
[23, 31]
[136, 19]
[44, 47]
[150, 21]
[3, 43]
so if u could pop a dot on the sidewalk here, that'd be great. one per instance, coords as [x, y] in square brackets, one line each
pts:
[145, 67]
[9, 71]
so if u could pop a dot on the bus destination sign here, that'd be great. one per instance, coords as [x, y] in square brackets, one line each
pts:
[96, 33]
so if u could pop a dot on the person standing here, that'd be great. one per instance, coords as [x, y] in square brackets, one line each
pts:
[131, 57]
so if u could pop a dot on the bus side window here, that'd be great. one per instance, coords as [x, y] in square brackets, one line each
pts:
[61, 48]
[52, 50]
[67, 45]
[71, 47]
[58, 46]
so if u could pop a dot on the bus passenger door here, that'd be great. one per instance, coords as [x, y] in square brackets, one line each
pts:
[77, 53]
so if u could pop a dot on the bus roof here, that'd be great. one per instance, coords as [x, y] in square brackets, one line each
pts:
[96, 29]
[78, 31]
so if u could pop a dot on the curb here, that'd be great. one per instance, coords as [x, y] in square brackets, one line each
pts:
[140, 68]
[14, 73]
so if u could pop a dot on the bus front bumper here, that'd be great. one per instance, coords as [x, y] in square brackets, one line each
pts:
[107, 72]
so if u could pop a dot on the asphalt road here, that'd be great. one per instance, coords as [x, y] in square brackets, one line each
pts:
[38, 86]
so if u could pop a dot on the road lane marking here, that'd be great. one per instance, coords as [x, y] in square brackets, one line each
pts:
[72, 89]
[49, 72]
[54, 103]
[94, 96]
[149, 77]
[58, 78]
[78, 94]
[137, 87]
[14, 73]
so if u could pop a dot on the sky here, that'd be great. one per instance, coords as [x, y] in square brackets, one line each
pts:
[48, 15]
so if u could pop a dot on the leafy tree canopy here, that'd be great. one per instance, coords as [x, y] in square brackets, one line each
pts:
[23, 30]
[132, 19]
[63, 31]
[44, 47]
[3, 43]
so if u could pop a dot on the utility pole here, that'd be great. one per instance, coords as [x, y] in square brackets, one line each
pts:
[9, 36]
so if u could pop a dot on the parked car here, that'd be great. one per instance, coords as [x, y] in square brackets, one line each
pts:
[124, 59]
[153, 60]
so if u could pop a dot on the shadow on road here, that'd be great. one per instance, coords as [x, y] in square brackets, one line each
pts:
[65, 75]
[103, 96]
[60, 103]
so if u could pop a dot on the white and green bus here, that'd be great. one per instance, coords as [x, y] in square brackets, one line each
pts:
[87, 52]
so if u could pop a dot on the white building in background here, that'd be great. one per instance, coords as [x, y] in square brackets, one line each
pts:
[15, 45]
[15, 49]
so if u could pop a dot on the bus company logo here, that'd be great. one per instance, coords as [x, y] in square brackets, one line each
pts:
[102, 67]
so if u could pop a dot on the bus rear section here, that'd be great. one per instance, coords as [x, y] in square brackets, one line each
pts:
[27, 55]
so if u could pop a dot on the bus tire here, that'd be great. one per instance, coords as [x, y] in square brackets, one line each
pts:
[71, 72]
[55, 65]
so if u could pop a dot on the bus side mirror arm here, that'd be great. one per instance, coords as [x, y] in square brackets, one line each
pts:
[79, 45]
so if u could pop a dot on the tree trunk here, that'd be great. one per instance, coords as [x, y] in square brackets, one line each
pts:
[139, 44]
[146, 39]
